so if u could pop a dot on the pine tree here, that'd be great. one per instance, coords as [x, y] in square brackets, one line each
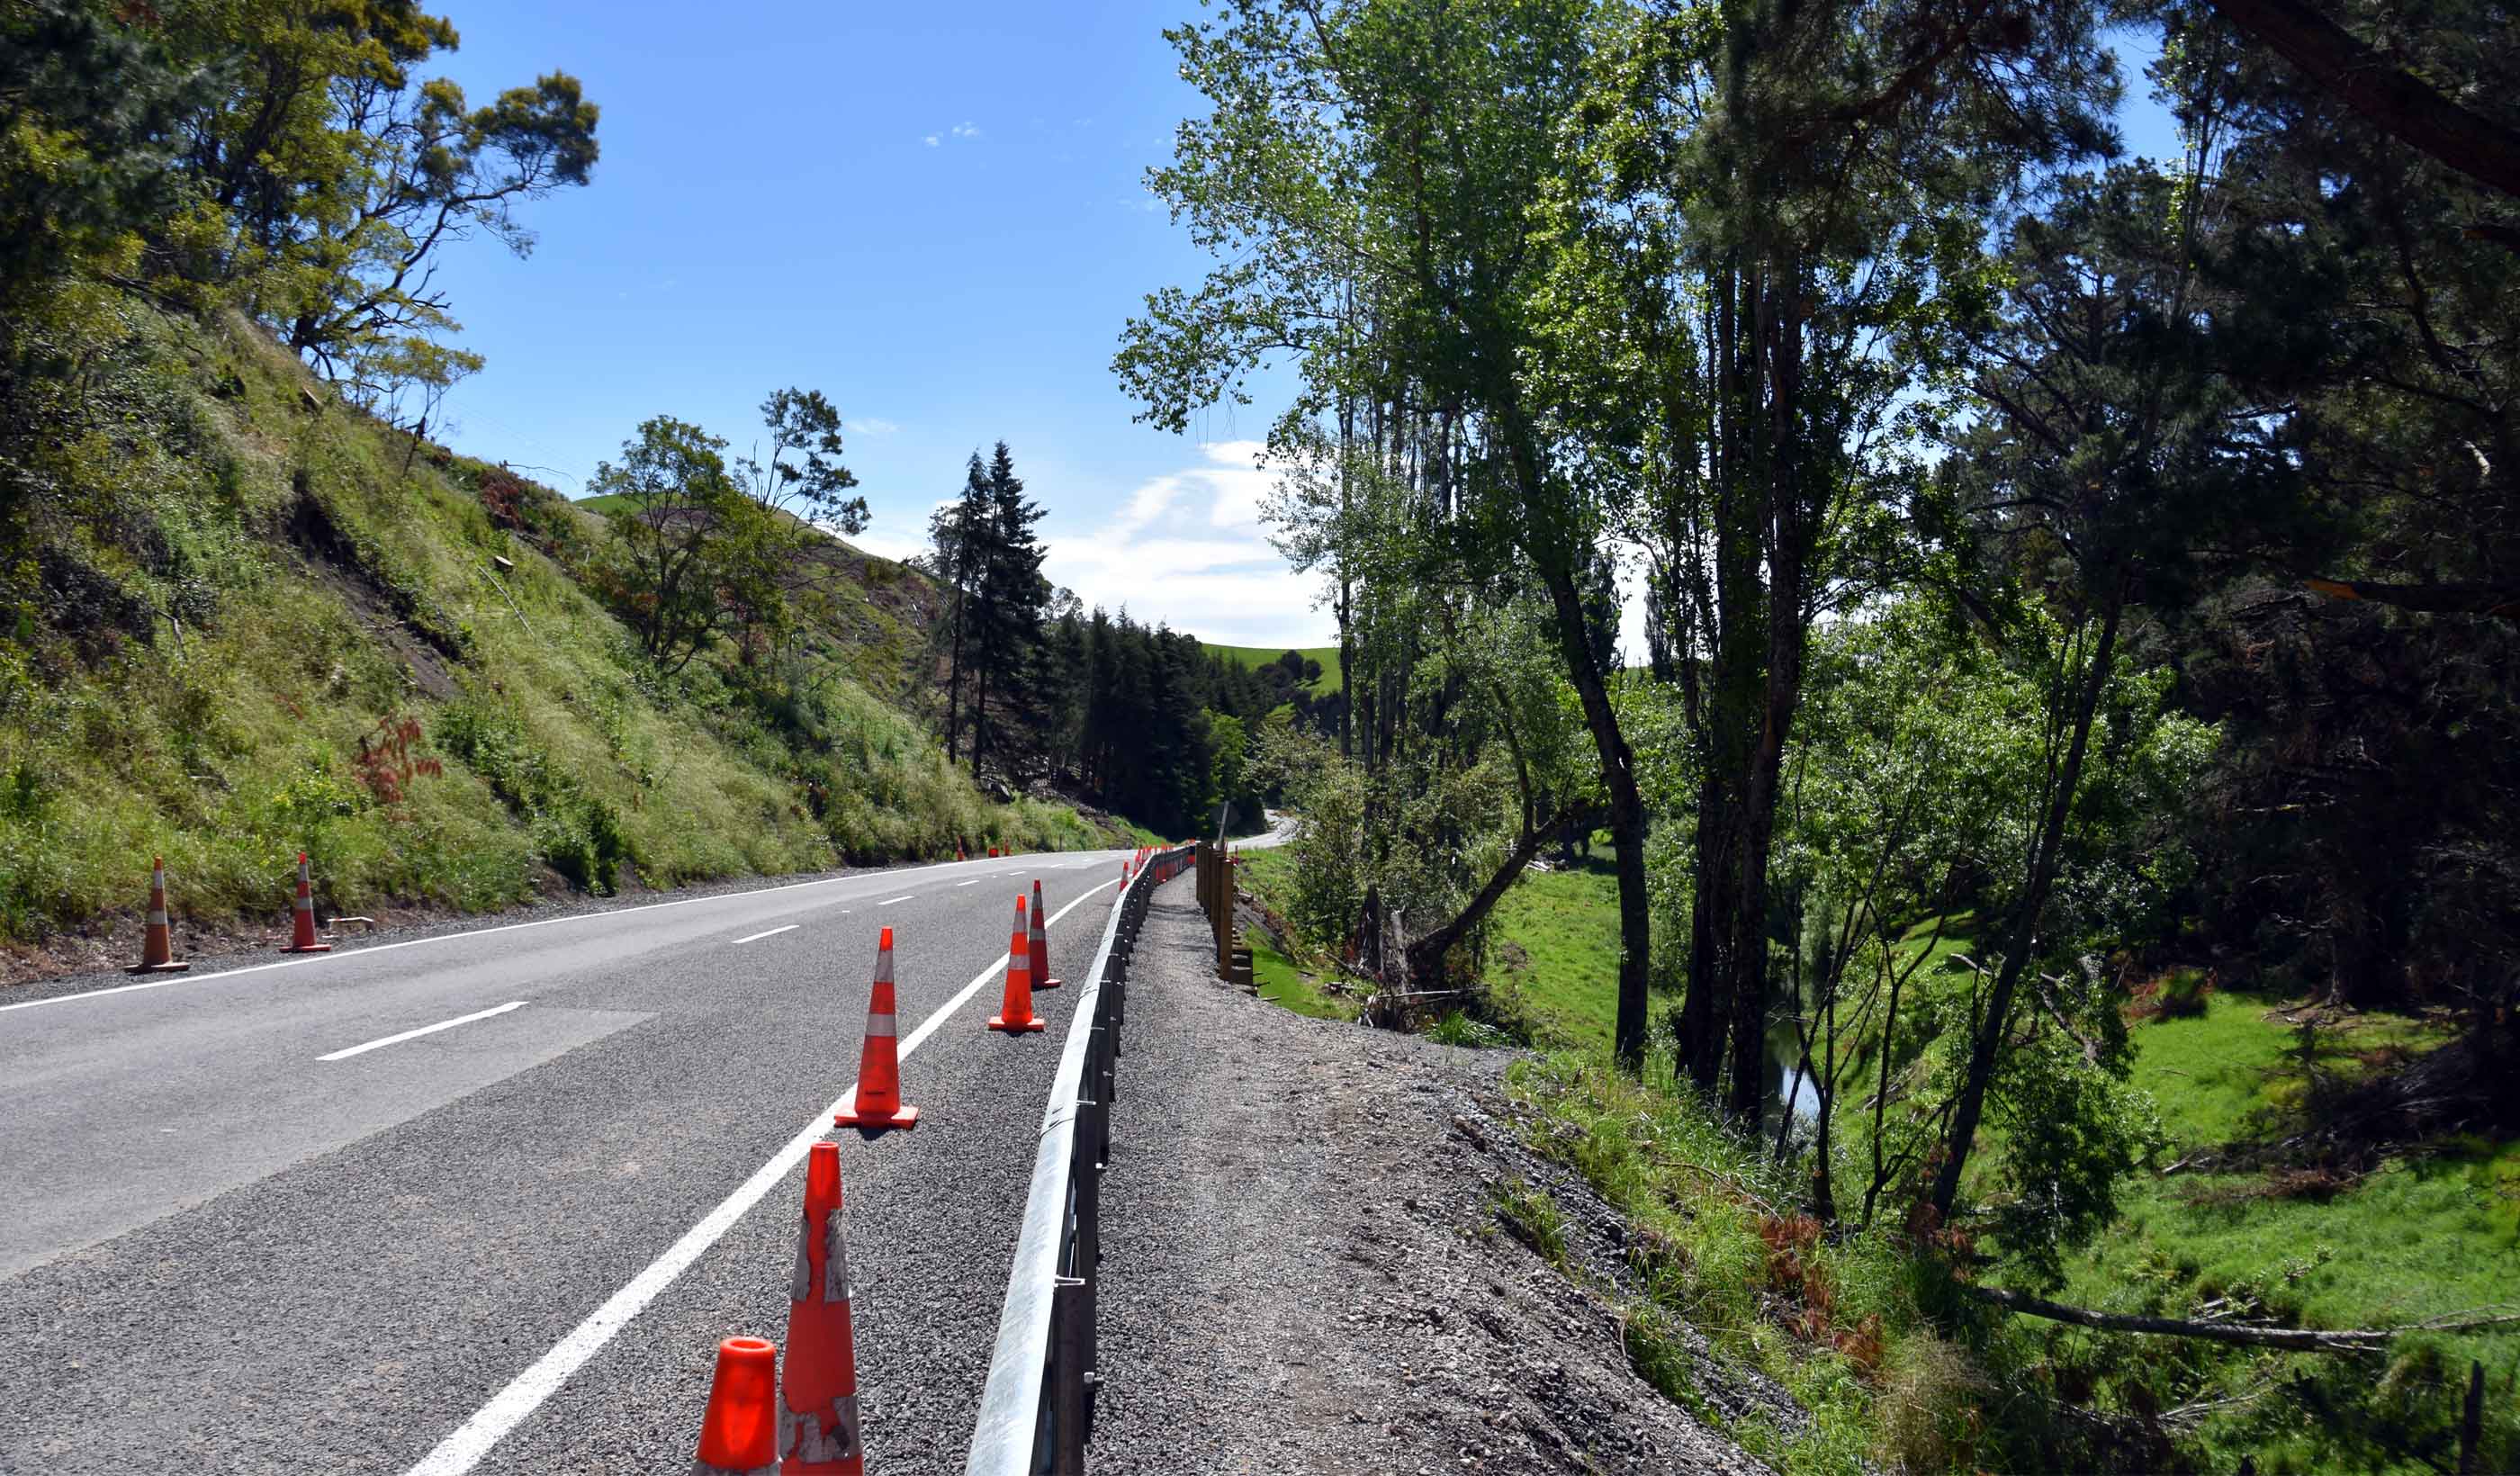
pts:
[960, 532]
[1008, 617]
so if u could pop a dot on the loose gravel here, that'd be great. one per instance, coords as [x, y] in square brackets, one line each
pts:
[1302, 1269]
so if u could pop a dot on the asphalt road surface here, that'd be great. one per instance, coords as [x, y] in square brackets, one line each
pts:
[268, 1219]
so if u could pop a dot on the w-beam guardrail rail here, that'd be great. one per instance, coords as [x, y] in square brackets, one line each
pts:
[1039, 1404]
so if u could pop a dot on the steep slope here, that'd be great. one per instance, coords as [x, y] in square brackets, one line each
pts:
[243, 619]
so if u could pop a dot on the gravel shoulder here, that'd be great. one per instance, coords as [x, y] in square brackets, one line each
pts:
[1303, 1267]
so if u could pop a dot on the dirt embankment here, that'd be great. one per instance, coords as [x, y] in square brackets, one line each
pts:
[1304, 1265]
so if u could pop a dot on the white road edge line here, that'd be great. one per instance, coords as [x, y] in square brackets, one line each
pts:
[772, 933]
[459, 1452]
[479, 932]
[413, 1035]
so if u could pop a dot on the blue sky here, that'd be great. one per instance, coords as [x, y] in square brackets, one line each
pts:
[932, 213]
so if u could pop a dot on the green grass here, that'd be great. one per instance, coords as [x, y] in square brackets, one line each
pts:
[1283, 983]
[1554, 956]
[2435, 1230]
[1713, 1245]
[1252, 657]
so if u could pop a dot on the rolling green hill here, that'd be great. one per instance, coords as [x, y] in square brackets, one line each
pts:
[249, 619]
[1261, 655]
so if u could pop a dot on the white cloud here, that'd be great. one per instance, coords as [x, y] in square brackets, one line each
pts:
[896, 536]
[967, 129]
[1187, 549]
[875, 424]
[931, 140]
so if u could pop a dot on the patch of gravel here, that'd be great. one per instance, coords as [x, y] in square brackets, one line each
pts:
[1302, 1268]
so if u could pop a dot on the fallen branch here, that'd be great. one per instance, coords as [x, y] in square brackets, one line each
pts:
[2293, 1339]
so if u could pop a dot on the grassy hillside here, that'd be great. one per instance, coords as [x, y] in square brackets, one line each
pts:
[249, 619]
[1250, 657]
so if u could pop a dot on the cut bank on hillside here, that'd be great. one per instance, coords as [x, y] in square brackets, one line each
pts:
[248, 620]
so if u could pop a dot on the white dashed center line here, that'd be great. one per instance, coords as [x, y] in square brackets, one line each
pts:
[772, 933]
[411, 1035]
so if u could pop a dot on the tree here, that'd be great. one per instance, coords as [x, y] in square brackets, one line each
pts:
[812, 489]
[2390, 96]
[958, 532]
[330, 175]
[1364, 175]
[1760, 257]
[2111, 448]
[1006, 615]
[1401, 209]
[697, 557]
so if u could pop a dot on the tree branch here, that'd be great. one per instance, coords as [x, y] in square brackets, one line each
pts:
[2387, 96]
[2498, 601]
[2291, 1339]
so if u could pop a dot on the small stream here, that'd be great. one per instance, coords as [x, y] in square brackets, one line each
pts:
[1782, 1052]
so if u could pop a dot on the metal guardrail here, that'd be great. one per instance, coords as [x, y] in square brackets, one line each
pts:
[1039, 1402]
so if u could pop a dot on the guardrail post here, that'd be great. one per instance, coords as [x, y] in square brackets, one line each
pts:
[1071, 1306]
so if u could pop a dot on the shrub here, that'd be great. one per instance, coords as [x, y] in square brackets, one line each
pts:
[2183, 992]
[1459, 1029]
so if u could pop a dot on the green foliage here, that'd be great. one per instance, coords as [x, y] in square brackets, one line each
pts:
[1459, 1029]
[812, 488]
[698, 558]
[325, 178]
[2183, 993]
[1838, 1321]
[1283, 983]
[85, 148]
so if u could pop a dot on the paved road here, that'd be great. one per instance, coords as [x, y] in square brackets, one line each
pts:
[233, 1242]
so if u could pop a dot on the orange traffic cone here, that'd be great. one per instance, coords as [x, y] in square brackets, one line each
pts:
[1038, 949]
[879, 1103]
[1015, 1016]
[958, 852]
[303, 940]
[818, 1388]
[737, 1435]
[158, 945]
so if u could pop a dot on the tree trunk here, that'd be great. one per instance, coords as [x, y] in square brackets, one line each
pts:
[1705, 1008]
[2389, 97]
[953, 684]
[2043, 859]
[1787, 514]
[1426, 954]
[1626, 818]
